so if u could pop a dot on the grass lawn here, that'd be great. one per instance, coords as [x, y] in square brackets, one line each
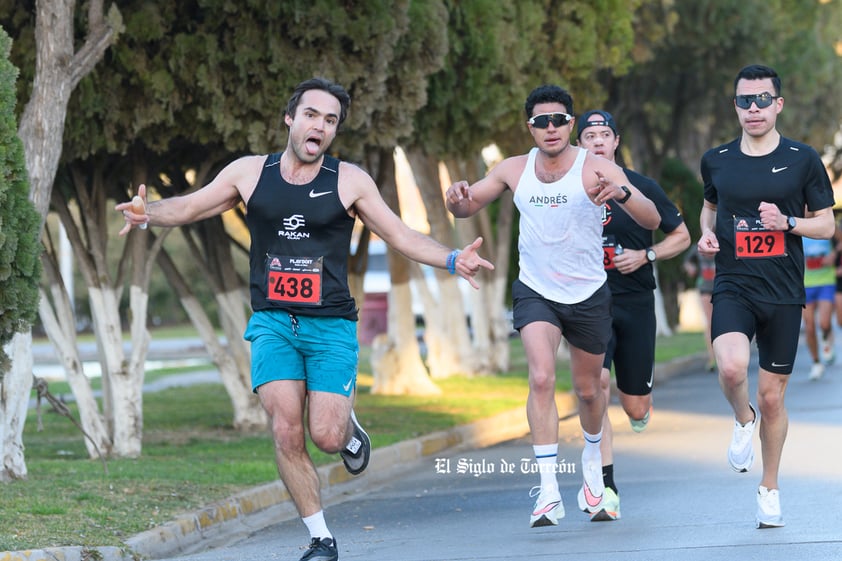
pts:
[192, 457]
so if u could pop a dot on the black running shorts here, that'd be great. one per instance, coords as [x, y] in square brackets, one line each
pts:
[776, 327]
[586, 325]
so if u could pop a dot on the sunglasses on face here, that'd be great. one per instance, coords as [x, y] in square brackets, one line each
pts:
[760, 100]
[543, 120]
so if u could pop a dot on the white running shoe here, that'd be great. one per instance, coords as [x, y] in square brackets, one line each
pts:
[548, 509]
[817, 371]
[593, 489]
[610, 505]
[741, 451]
[769, 508]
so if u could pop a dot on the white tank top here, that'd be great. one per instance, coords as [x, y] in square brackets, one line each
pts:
[560, 241]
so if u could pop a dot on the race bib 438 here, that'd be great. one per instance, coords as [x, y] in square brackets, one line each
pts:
[294, 280]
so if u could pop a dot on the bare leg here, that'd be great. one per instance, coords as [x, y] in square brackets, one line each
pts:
[732, 357]
[809, 317]
[825, 317]
[541, 341]
[586, 369]
[330, 429]
[774, 422]
[284, 401]
[606, 447]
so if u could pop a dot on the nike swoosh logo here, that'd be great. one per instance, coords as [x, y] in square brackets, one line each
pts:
[347, 386]
[590, 499]
[776, 170]
[546, 509]
[776, 365]
[314, 195]
[651, 379]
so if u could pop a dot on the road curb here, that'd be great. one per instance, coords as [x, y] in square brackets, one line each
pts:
[268, 504]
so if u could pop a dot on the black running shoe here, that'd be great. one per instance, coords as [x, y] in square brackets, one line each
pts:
[321, 549]
[358, 450]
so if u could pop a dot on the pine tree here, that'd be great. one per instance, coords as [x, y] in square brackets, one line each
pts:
[20, 267]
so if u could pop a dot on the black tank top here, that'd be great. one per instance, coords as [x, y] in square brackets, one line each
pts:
[300, 239]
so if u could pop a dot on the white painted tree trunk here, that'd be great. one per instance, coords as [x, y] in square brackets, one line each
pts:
[395, 356]
[234, 363]
[449, 348]
[60, 328]
[14, 401]
[59, 67]
[122, 377]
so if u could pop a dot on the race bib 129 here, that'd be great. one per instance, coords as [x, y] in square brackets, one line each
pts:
[753, 241]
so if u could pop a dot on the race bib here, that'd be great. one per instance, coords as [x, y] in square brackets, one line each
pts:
[753, 241]
[294, 280]
[610, 249]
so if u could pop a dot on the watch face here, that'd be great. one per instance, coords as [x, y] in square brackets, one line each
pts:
[791, 222]
[650, 255]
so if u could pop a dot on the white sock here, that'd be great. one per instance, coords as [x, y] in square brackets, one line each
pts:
[547, 457]
[317, 525]
[591, 451]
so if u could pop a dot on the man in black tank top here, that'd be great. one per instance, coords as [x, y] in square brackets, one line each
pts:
[300, 208]
[762, 193]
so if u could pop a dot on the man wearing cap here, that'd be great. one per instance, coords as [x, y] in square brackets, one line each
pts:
[630, 255]
[561, 289]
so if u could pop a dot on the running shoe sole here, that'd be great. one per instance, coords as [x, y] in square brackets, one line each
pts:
[357, 452]
[546, 516]
[604, 514]
[547, 513]
[744, 466]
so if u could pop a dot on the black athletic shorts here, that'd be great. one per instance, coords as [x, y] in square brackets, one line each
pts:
[776, 326]
[586, 325]
[632, 346]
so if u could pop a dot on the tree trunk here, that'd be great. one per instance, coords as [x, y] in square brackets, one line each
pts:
[491, 327]
[59, 322]
[123, 397]
[235, 376]
[14, 401]
[58, 69]
[396, 358]
[449, 348]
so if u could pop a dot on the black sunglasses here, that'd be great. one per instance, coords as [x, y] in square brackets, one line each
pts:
[543, 120]
[761, 100]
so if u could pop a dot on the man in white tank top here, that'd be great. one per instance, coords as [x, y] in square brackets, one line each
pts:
[561, 289]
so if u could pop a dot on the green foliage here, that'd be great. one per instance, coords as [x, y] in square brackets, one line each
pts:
[676, 100]
[20, 268]
[684, 189]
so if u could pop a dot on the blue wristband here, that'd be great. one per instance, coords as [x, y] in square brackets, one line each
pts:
[451, 261]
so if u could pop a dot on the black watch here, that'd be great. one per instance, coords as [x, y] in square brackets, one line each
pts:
[790, 223]
[627, 191]
[651, 255]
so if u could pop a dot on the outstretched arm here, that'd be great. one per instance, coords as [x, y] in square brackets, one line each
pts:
[604, 180]
[376, 214]
[233, 184]
[464, 200]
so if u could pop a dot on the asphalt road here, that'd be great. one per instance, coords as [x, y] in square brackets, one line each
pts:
[679, 498]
